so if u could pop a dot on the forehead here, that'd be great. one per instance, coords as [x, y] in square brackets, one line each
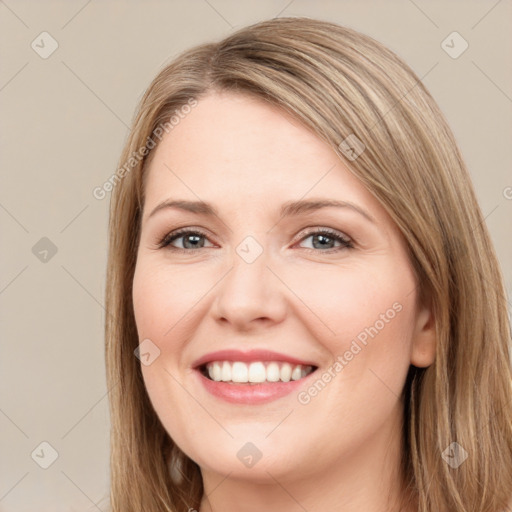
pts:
[234, 149]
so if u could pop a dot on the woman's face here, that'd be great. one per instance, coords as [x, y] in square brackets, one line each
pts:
[331, 287]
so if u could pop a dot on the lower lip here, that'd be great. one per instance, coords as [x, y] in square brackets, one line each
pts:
[251, 394]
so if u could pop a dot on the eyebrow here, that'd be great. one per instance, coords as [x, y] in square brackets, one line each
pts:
[290, 208]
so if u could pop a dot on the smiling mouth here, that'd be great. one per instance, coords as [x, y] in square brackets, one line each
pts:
[257, 372]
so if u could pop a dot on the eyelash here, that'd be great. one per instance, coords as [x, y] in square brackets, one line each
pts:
[337, 236]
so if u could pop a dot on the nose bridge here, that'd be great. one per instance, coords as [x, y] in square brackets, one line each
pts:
[249, 290]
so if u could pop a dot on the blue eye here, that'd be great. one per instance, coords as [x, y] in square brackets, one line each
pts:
[325, 237]
[190, 237]
[194, 240]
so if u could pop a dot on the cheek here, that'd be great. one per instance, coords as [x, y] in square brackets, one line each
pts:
[160, 308]
[164, 299]
[362, 313]
[163, 310]
[366, 320]
[344, 303]
[364, 316]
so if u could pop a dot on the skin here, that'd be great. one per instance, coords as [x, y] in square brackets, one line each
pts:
[341, 450]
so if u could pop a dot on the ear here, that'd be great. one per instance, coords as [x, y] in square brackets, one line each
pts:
[423, 349]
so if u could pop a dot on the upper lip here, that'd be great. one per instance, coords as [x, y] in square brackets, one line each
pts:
[249, 356]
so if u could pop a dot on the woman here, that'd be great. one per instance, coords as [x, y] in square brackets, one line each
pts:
[305, 311]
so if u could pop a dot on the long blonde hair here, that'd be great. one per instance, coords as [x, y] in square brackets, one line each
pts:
[339, 83]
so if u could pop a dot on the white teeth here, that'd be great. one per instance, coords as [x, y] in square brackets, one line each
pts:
[296, 373]
[286, 372]
[216, 372]
[239, 372]
[225, 372]
[273, 373]
[256, 372]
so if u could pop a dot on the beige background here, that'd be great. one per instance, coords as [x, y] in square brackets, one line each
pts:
[64, 120]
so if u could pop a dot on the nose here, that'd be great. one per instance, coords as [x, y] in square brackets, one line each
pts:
[250, 294]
